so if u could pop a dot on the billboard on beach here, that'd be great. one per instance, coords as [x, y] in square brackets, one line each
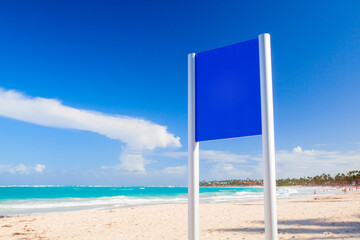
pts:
[229, 96]
[227, 92]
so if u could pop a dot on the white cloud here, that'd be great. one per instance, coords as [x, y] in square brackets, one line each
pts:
[170, 154]
[222, 171]
[224, 164]
[178, 170]
[297, 162]
[313, 162]
[297, 149]
[138, 134]
[290, 163]
[133, 160]
[22, 169]
[321, 145]
[225, 157]
[39, 168]
[211, 156]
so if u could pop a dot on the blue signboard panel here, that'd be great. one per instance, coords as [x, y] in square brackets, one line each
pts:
[227, 92]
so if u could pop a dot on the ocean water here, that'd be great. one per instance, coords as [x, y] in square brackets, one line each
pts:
[19, 200]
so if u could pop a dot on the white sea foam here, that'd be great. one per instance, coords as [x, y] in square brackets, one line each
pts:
[14, 207]
[28, 206]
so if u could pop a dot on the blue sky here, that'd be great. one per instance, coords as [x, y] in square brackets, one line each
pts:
[128, 60]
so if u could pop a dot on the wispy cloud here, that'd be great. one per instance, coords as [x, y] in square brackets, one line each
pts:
[299, 162]
[211, 156]
[39, 168]
[178, 170]
[225, 157]
[289, 163]
[223, 164]
[228, 171]
[293, 163]
[138, 134]
[22, 169]
[321, 145]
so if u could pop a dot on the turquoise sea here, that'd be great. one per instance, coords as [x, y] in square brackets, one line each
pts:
[20, 200]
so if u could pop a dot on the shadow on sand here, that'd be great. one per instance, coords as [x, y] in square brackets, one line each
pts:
[316, 226]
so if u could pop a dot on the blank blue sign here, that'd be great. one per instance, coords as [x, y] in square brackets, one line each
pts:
[227, 92]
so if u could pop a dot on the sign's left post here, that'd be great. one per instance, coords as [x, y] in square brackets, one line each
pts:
[193, 156]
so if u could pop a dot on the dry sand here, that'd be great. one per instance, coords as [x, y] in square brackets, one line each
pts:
[318, 217]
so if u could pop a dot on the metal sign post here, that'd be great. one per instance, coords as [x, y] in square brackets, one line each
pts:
[268, 141]
[193, 152]
[230, 95]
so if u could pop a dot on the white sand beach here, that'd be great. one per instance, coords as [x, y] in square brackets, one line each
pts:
[318, 217]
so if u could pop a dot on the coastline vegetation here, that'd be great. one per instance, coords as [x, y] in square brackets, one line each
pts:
[340, 179]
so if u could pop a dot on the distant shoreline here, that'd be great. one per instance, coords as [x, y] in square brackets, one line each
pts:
[244, 201]
[17, 201]
[290, 186]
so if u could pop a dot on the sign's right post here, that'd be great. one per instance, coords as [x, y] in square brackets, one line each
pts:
[268, 142]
